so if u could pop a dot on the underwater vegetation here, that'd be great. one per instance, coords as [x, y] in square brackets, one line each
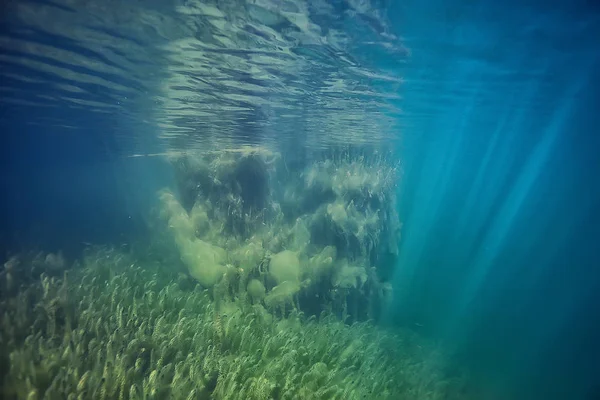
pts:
[259, 281]
[114, 328]
[322, 236]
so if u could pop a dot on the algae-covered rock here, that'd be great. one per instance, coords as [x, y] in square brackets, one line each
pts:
[204, 261]
[178, 219]
[285, 266]
[323, 263]
[249, 255]
[300, 235]
[199, 219]
[256, 290]
[349, 276]
[337, 213]
[319, 223]
[282, 294]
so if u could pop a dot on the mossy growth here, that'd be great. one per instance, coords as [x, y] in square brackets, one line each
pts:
[329, 225]
[285, 267]
[256, 290]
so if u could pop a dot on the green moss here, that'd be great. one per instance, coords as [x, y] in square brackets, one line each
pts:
[285, 266]
[282, 295]
[323, 263]
[349, 276]
[256, 290]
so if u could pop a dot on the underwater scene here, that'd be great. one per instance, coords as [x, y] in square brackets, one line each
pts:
[299, 199]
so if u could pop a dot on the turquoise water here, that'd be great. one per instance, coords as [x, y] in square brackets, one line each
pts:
[299, 200]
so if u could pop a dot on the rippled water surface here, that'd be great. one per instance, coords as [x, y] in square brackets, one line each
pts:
[210, 73]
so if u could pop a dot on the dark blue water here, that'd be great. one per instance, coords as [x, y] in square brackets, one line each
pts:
[497, 133]
[500, 200]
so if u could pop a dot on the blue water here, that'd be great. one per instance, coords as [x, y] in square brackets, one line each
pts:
[500, 195]
[491, 110]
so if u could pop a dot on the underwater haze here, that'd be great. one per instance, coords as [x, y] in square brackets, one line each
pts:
[298, 199]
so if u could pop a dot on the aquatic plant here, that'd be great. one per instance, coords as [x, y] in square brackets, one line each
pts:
[112, 328]
[26, 267]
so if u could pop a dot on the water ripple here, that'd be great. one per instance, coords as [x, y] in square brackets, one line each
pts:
[206, 74]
